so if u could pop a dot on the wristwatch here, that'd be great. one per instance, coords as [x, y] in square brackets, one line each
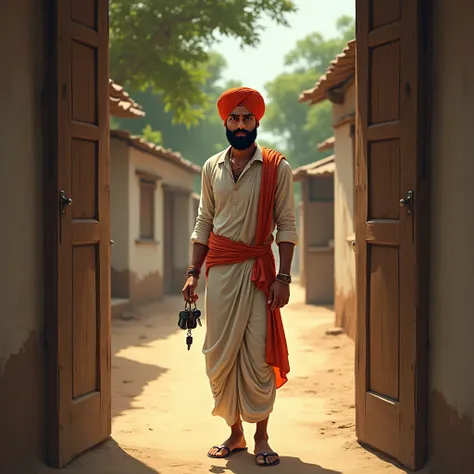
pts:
[284, 278]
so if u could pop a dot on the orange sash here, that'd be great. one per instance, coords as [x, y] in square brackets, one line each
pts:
[223, 251]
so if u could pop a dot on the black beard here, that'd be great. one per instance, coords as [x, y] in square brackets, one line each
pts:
[241, 143]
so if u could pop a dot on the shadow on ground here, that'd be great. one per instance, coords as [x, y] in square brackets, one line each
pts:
[107, 458]
[245, 464]
[139, 328]
[129, 378]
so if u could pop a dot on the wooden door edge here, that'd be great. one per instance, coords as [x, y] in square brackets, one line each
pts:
[361, 206]
[360, 358]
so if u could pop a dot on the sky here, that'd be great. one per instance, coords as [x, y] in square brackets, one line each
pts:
[256, 66]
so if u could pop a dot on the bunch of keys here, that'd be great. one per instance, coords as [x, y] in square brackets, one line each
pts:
[188, 319]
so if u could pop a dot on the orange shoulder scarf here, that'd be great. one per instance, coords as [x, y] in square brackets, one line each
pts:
[223, 251]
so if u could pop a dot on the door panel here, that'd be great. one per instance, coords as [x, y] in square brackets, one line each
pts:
[80, 385]
[391, 342]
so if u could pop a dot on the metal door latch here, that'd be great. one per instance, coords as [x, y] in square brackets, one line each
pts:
[64, 202]
[407, 203]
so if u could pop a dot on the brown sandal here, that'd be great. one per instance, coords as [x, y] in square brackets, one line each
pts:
[226, 455]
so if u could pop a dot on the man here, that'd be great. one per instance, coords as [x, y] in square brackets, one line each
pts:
[247, 191]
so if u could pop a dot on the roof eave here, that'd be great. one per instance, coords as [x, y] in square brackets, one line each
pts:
[157, 151]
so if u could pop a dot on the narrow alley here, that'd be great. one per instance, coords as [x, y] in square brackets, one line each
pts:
[161, 402]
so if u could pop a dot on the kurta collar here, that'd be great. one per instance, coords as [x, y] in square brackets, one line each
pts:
[256, 157]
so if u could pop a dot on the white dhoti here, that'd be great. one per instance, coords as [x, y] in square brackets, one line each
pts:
[242, 383]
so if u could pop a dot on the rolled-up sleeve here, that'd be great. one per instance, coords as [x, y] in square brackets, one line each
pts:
[284, 212]
[205, 219]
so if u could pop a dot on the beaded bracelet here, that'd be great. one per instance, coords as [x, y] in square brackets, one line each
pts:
[193, 271]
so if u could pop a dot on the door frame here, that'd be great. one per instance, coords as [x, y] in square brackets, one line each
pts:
[422, 210]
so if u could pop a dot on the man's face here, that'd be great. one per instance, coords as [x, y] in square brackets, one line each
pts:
[241, 128]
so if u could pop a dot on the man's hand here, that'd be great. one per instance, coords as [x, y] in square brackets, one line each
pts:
[189, 288]
[279, 295]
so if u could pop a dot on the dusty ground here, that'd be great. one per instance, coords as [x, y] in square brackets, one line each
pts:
[162, 403]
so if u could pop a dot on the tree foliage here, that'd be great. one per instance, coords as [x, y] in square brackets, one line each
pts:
[162, 45]
[300, 128]
[195, 143]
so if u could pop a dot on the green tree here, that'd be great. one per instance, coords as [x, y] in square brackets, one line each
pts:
[152, 136]
[297, 127]
[195, 143]
[163, 45]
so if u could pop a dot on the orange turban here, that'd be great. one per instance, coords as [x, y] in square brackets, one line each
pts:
[249, 98]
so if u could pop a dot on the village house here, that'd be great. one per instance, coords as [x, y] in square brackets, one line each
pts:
[338, 86]
[414, 231]
[153, 211]
[316, 230]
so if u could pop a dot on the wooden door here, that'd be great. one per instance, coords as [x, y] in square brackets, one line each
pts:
[391, 246]
[79, 317]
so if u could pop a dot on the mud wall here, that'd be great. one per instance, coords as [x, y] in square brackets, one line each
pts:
[22, 354]
[451, 415]
[344, 304]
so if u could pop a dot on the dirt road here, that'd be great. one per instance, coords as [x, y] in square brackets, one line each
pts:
[162, 402]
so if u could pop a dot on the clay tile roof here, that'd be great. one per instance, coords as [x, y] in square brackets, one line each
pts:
[327, 144]
[341, 68]
[155, 150]
[121, 104]
[324, 167]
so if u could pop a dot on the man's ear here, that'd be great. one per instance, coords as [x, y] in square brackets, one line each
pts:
[258, 124]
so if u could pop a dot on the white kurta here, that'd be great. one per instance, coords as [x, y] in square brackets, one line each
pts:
[242, 383]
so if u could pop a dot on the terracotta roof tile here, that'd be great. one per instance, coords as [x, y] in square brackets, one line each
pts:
[341, 68]
[327, 144]
[121, 104]
[155, 150]
[326, 166]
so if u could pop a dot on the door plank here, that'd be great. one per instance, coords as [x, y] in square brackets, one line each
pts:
[84, 321]
[382, 425]
[79, 332]
[391, 325]
[383, 321]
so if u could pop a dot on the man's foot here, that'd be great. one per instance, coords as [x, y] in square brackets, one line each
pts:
[264, 455]
[234, 444]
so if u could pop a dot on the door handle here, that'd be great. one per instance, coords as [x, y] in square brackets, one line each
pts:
[407, 203]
